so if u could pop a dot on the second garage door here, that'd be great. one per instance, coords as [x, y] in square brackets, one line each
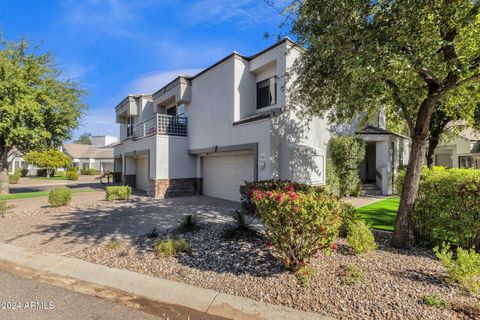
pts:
[141, 178]
[224, 174]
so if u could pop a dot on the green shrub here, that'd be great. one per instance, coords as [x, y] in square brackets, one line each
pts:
[88, 172]
[171, 247]
[15, 177]
[305, 274]
[333, 181]
[4, 207]
[464, 270]
[72, 169]
[23, 172]
[43, 173]
[114, 244]
[242, 222]
[59, 197]
[360, 237]
[347, 154]
[247, 190]
[118, 193]
[349, 214]
[353, 274]
[447, 208]
[71, 175]
[434, 300]
[299, 225]
[188, 223]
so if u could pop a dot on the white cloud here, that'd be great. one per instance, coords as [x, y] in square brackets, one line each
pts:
[153, 81]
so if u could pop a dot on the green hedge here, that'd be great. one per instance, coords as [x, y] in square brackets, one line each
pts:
[71, 175]
[448, 208]
[88, 172]
[347, 154]
[60, 197]
[118, 193]
[15, 177]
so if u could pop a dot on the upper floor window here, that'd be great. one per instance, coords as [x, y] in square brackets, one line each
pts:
[130, 126]
[267, 92]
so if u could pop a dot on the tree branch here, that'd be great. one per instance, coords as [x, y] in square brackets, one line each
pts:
[399, 102]
[429, 78]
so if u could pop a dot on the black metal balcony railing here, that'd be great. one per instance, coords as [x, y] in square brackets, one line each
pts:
[161, 124]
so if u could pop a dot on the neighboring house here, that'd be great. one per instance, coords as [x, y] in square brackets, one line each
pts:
[16, 162]
[98, 155]
[462, 151]
[232, 122]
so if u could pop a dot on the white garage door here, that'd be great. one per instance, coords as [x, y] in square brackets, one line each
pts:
[141, 179]
[224, 174]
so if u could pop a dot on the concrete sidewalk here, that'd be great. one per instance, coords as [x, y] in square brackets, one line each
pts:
[154, 289]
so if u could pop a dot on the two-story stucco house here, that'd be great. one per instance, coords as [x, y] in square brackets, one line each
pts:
[208, 133]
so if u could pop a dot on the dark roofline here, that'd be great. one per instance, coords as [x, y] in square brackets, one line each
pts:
[380, 131]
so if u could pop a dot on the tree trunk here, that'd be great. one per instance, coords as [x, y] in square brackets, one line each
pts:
[4, 184]
[400, 238]
[432, 145]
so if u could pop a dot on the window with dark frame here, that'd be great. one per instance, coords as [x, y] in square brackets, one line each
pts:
[267, 92]
[130, 126]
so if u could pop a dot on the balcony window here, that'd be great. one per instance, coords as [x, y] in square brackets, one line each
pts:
[267, 92]
[130, 126]
[469, 162]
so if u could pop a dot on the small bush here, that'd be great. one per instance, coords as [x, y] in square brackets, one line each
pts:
[114, 244]
[360, 237]
[242, 222]
[353, 274]
[246, 191]
[347, 154]
[464, 270]
[15, 177]
[23, 172]
[349, 214]
[60, 197]
[298, 225]
[171, 247]
[434, 300]
[72, 169]
[118, 193]
[447, 208]
[88, 172]
[71, 175]
[333, 181]
[153, 233]
[4, 207]
[188, 223]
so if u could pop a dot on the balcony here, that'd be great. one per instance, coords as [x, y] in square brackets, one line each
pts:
[161, 124]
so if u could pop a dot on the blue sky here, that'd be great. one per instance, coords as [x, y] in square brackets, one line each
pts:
[117, 47]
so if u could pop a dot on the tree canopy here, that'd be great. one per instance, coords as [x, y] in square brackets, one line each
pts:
[50, 160]
[39, 108]
[84, 138]
[407, 56]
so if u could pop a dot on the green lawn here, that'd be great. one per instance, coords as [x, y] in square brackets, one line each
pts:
[381, 215]
[51, 178]
[25, 195]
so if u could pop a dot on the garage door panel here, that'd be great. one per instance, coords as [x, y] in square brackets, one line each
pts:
[223, 175]
[141, 178]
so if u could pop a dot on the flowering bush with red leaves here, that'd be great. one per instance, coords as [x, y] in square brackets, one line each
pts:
[299, 225]
[268, 186]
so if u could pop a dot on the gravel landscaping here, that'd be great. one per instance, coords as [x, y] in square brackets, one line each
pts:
[393, 284]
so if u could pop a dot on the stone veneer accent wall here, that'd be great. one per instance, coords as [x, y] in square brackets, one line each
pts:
[170, 188]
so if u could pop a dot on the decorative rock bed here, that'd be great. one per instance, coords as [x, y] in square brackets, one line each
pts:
[393, 286]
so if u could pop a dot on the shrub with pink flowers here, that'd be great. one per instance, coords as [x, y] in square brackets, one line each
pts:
[246, 191]
[299, 225]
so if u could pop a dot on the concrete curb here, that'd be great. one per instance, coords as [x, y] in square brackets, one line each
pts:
[161, 290]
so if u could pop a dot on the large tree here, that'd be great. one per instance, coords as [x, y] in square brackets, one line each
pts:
[408, 55]
[84, 138]
[38, 107]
